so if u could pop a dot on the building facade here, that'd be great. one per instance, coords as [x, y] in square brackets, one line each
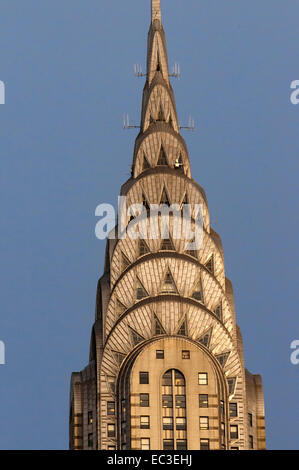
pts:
[166, 367]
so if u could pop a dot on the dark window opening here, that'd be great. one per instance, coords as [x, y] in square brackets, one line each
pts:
[144, 399]
[143, 378]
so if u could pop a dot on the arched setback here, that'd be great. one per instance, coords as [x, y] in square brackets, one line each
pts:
[153, 361]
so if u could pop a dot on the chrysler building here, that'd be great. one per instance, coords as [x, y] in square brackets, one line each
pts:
[166, 366]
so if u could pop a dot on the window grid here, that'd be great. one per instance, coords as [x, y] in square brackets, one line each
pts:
[144, 399]
[111, 408]
[204, 444]
[174, 411]
[202, 378]
[144, 378]
[144, 422]
[233, 410]
[111, 430]
[203, 401]
[145, 443]
[234, 431]
[159, 354]
[185, 354]
[204, 423]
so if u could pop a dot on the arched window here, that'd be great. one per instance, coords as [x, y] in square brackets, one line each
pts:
[174, 420]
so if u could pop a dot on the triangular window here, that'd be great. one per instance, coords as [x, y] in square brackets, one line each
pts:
[222, 358]
[182, 331]
[140, 291]
[119, 357]
[192, 253]
[125, 262]
[198, 293]
[136, 337]
[145, 203]
[210, 264]
[161, 116]
[231, 385]
[146, 164]
[206, 338]
[120, 308]
[162, 160]
[218, 311]
[159, 330]
[158, 68]
[169, 286]
[143, 249]
[164, 198]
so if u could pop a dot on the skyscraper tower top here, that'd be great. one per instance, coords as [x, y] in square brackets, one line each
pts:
[166, 367]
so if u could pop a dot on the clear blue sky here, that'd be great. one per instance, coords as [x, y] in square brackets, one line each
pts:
[68, 70]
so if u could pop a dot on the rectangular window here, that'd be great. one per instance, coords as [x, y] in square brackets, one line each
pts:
[185, 354]
[145, 443]
[181, 444]
[144, 422]
[180, 401]
[181, 424]
[202, 378]
[204, 422]
[89, 417]
[223, 430]
[234, 432]
[250, 442]
[233, 410]
[250, 419]
[111, 381]
[160, 354]
[167, 424]
[111, 430]
[203, 401]
[204, 444]
[167, 401]
[111, 408]
[144, 399]
[143, 378]
[90, 440]
[168, 444]
[167, 379]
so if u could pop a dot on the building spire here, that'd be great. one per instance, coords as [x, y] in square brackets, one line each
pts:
[156, 10]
